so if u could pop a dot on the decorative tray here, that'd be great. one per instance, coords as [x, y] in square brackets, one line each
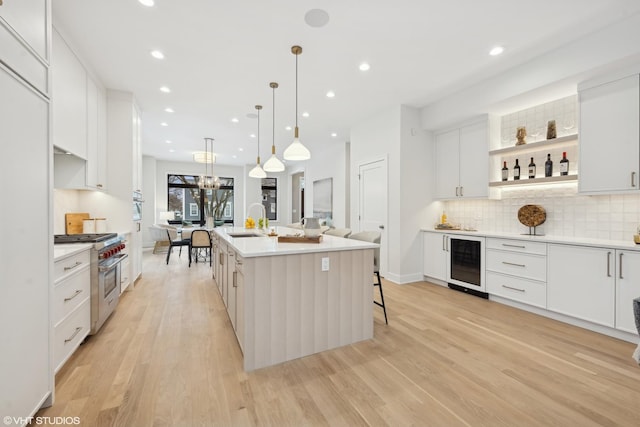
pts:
[299, 239]
[447, 226]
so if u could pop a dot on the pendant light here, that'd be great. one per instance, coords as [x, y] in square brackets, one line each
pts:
[273, 164]
[296, 151]
[257, 171]
[208, 158]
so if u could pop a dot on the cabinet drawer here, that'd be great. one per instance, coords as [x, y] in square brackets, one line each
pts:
[70, 265]
[517, 264]
[517, 289]
[69, 334]
[523, 246]
[70, 293]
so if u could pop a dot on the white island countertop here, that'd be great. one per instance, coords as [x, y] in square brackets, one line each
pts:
[269, 246]
[64, 250]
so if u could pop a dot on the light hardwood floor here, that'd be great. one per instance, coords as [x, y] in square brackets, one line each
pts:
[168, 357]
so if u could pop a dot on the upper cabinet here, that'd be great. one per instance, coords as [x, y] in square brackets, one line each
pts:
[24, 36]
[462, 162]
[69, 98]
[610, 136]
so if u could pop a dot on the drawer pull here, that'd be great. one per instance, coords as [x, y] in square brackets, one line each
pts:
[608, 264]
[621, 265]
[78, 329]
[78, 292]
[235, 279]
[514, 264]
[514, 246]
[73, 266]
[513, 289]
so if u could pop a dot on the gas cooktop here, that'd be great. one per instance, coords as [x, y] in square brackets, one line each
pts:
[83, 238]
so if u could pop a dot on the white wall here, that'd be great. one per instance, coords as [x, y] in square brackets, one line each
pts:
[149, 183]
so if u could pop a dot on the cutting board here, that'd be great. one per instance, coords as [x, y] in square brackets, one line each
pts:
[73, 222]
[299, 239]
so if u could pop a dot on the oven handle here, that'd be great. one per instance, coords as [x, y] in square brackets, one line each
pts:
[114, 265]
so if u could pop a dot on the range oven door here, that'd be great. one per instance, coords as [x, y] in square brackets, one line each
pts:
[108, 292]
[466, 263]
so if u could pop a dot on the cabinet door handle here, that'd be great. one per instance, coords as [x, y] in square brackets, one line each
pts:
[608, 264]
[78, 263]
[79, 291]
[513, 289]
[514, 264]
[633, 179]
[461, 188]
[443, 246]
[447, 243]
[620, 273]
[78, 329]
[514, 246]
[235, 279]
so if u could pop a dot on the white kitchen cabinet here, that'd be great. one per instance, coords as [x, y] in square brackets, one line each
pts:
[135, 252]
[26, 255]
[231, 286]
[435, 254]
[96, 175]
[24, 35]
[627, 288]
[136, 151]
[239, 325]
[462, 161]
[581, 282]
[517, 270]
[125, 265]
[69, 99]
[610, 137]
[71, 305]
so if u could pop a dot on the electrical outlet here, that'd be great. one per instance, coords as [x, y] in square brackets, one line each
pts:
[325, 264]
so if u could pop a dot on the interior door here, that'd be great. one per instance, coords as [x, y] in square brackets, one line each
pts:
[374, 204]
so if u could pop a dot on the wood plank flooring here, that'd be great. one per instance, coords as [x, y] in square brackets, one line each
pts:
[168, 357]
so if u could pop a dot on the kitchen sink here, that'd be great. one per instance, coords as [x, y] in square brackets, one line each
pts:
[244, 234]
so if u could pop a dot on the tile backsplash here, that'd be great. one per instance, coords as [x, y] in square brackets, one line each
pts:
[569, 214]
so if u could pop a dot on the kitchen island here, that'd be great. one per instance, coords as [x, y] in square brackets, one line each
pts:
[289, 300]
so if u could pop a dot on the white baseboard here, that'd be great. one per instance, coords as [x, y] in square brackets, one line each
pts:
[403, 279]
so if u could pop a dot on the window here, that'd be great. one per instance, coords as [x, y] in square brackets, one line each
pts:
[193, 204]
[270, 197]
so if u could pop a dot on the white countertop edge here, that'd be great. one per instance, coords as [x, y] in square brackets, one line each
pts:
[249, 247]
[64, 250]
[579, 241]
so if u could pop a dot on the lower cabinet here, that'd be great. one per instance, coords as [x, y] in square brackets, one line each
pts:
[435, 253]
[581, 283]
[627, 288]
[71, 309]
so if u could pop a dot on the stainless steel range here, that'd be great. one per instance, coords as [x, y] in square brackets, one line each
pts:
[106, 257]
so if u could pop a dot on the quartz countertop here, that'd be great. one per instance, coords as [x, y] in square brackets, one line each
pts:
[581, 241]
[64, 250]
[269, 246]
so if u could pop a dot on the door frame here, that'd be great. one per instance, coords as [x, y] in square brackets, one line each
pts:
[291, 173]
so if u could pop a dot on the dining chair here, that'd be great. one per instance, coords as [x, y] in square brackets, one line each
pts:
[338, 232]
[374, 237]
[200, 243]
[174, 241]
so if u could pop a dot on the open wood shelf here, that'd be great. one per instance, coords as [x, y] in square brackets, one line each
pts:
[567, 140]
[526, 181]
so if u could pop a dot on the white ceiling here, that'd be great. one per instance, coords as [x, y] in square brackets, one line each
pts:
[221, 56]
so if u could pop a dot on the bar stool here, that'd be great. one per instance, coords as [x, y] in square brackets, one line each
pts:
[374, 237]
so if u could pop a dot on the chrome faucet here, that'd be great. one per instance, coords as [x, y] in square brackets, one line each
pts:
[263, 211]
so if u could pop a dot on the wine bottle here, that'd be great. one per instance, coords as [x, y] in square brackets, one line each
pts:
[516, 171]
[548, 166]
[505, 172]
[532, 169]
[564, 164]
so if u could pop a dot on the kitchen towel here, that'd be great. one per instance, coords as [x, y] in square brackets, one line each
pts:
[636, 312]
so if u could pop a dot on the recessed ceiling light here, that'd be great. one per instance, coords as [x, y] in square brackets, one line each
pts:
[234, 157]
[164, 124]
[364, 66]
[305, 114]
[157, 54]
[172, 150]
[334, 134]
[253, 135]
[287, 128]
[331, 94]
[148, 3]
[240, 149]
[168, 142]
[235, 120]
[169, 110]
[316, 18]
[165, 89]
[496, 51]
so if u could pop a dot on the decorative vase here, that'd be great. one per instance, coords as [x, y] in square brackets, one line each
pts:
[521, 135]
[551, 129]
[218, 222]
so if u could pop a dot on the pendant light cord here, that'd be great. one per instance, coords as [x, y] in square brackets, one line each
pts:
[296, 90]
[273, 127]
